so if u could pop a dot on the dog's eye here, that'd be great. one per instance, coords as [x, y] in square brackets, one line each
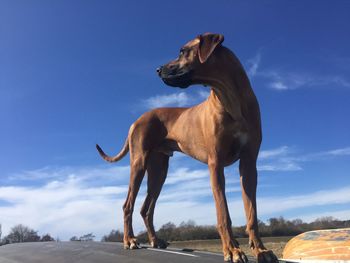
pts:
[182, 52]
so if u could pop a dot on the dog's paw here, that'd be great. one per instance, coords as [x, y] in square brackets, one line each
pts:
[131, 243]
[235, 255]
[159, 243]
[267, 256]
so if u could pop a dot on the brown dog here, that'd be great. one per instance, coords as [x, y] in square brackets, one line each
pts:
[219, 131]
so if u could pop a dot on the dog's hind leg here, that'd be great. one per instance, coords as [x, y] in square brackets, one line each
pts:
[157, 168]
[144, 136]
[137, 172]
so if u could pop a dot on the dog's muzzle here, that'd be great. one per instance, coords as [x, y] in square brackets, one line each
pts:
[174, 77]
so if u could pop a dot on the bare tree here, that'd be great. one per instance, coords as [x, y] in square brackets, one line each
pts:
[87, 237]
[74, 238]
[47, 238]
[113, 236]
[21, 233]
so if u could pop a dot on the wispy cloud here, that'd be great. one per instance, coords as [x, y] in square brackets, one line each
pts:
[278, 85]
[282, 80]
[186, 184]
[340, 214]
[62, 207]
[185, 174]
[279, 80]
[285, 158]
[89, 174]
[67, 201]
[278, 159]
[281, 165]
[178, 99]
[253, 65]
[278, 152]
[338, 152]
[320, 198]
[70, 202]
[323, 155]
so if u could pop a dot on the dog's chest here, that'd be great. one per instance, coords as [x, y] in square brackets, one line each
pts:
[241, 138]
[226, 145]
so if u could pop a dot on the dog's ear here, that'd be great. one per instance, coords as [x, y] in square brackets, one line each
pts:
[207, 44]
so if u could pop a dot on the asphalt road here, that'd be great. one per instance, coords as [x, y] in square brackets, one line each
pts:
[95, 252]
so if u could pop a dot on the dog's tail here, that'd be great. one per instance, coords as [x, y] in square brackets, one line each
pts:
[116, 158]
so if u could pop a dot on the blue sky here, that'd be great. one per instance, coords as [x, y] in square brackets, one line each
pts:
[77, 73]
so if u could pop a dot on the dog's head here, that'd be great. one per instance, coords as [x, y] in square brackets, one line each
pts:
[193, 56]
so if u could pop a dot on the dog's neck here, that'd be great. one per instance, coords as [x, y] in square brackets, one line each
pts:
[229, 84]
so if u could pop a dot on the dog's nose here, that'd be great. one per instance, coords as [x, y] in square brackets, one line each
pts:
[159, 70]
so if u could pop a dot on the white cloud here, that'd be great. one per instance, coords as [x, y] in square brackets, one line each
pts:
[185, 174]
[278, 159]
[71, 201]
[178, 99]
[339, 152]
[203, 94]
[204, 212]
[63, 207]
[48, 173]
[194, 190]
[282, 166]
[253, 65]
[278, 152]
[320, 198]
[278, 85]
[322, 155]
[281, 80]
[341, 215]
[67, 201]
[285, 159]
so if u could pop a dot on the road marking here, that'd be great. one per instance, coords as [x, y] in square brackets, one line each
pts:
[172, 252]
[316, 261]
[208, 253]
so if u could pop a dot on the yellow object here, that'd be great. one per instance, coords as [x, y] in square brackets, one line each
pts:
[332, 245]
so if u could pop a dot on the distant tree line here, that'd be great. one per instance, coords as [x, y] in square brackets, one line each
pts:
[282, 227]
[113, 236]
[274, 227]
[83, 238]
[187, 231]
[21, 233]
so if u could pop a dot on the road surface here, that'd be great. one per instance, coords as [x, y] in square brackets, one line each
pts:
[95, 252]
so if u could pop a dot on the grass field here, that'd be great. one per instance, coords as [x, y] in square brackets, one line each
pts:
[276, 244]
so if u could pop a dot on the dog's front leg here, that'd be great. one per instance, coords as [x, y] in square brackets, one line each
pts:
[248, 173]
[230, 246]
